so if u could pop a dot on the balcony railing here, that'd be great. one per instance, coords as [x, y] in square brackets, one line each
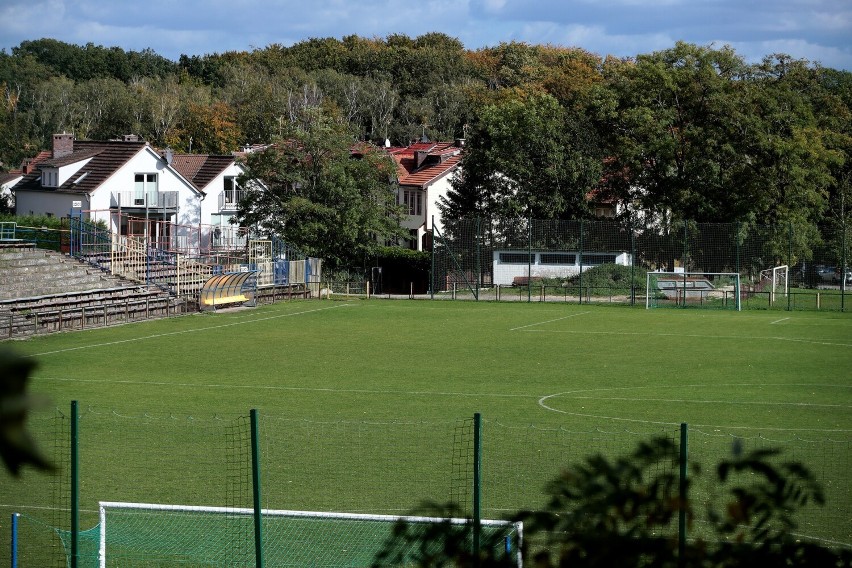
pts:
[148, 199]
[228, 200]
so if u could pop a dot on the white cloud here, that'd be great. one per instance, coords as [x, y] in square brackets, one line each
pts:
[812, 29]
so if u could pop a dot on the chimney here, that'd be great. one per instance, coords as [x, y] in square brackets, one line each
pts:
[420, 157]
[63, 145]
[130, 138]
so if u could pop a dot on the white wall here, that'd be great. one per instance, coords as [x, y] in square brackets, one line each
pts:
[47, 203]
[505, 272]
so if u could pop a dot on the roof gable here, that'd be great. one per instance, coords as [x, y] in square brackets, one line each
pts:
[104, 159]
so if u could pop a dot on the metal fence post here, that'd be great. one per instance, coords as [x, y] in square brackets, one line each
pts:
[75, 486]
[681, 521]
[14, 543]
[255, 471]
[790, 260]
[432, 279]
[580, 252]
[477, 485]
[529, 259]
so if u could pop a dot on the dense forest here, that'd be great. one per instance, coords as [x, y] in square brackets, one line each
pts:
[690, 132]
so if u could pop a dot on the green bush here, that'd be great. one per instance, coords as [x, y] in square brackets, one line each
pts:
[610, 278]
[35, 221]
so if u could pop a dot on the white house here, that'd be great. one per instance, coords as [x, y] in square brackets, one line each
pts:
[215, 176]
[425, 172]
[179, 199]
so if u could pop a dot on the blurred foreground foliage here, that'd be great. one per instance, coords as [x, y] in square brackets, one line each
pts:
[625, 512]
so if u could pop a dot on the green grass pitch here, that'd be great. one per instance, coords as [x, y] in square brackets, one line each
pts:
[609, 372]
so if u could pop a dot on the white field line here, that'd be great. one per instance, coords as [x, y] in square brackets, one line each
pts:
[283, 388]
[158, 335]
[539, 397]
[694, 401]
[715, 426]
[549, 321]
[694, 335]
[778, 321]
[542, 402]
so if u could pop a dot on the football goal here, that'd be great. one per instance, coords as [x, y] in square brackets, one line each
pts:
[775, 281]
[693, 289]
[137, 534]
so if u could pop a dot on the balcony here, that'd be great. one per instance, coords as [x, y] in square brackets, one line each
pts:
[229, 199]
[147, 200]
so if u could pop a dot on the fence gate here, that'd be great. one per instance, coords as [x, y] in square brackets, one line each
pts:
[260, 259]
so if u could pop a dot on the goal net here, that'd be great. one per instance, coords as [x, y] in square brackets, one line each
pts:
[693, 289]
[141, 534]
[775, 281]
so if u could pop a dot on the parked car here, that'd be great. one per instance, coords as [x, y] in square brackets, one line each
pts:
[826, 273]
[831, 275]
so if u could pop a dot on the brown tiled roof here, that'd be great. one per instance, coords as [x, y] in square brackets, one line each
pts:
[9, 176]
[200, 169]
[441, 158]
[106, 159]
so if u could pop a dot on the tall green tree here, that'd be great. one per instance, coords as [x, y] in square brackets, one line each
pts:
[310, 190]
[667, 130]
[526, 157]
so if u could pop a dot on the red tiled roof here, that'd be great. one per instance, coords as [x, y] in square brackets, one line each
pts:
[440, 159]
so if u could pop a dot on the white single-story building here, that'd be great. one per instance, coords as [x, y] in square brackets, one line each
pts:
[509, 264]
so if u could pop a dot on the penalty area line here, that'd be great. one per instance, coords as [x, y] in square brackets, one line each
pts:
[158, 335]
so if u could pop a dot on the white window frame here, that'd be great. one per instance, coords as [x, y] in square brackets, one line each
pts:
[412, 199]
[139, 192]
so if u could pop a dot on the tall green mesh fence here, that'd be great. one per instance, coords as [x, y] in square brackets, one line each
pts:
[41, 499]
[606, 261]
[361, 467]
[828, 459]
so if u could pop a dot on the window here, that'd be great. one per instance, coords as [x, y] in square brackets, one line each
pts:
[558, 258]
[516, 258]
[595, 259]
[413, 202]
[50, 177]
[145, 189]
[231, 190]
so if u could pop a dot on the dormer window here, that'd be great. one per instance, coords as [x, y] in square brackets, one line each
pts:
[50, 177]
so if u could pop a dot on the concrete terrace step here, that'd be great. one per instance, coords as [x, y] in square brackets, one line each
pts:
[27, 272]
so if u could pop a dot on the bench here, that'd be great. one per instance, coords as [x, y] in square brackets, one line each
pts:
[523, 281]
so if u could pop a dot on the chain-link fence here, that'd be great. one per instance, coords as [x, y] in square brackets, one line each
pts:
[374, 467]
[604, 262]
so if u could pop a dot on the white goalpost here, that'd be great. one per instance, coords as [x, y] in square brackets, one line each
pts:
[693, 289]
[776, 279]
[138, 533]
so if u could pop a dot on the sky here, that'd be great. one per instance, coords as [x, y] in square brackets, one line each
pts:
[816, 30]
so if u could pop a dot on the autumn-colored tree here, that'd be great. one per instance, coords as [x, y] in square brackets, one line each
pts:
[208, 129]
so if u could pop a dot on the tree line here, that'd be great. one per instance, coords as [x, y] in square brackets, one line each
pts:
[686, 133]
